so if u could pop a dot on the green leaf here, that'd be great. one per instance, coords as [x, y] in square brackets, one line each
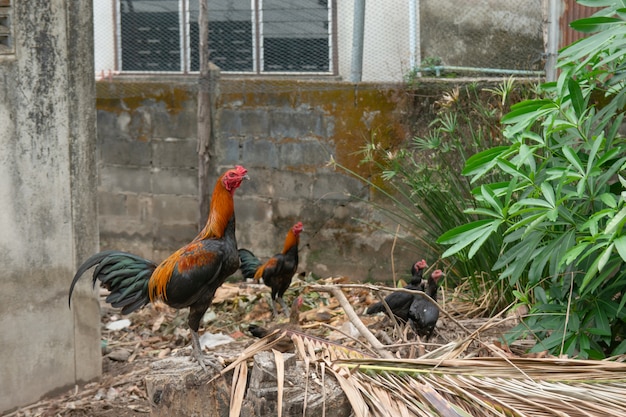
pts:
[573, 254]
[596, 3]
[591, 272]
[522, 297]
[573, 323]
[615, 222]
[552, 341]
[620, 245]
[535, 202]
[481, 240]
[592, 223]
[480, 163]
[602, 321]
[490, 198]
[484, 212]
[463, 236]
[604, 258]
[576, 96]
[620, 349]
[548, 193]
[609, 199]
[540, 295]
[573, 158]
[594, 24]
[529, 110]
[511, 169]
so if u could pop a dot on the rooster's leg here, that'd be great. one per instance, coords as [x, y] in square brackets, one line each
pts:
[196, 312]
[200, 357]
[197, 349]
[284, 306]
[273, 305]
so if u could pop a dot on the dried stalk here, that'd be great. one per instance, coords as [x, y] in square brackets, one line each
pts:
[354, 319]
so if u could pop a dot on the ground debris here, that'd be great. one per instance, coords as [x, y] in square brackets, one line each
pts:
[158, 332]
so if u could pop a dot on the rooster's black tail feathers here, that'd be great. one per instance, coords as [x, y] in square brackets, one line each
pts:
[249, 263]
[124, 274]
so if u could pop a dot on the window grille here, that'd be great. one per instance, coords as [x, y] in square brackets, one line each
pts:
[262, 36]
[6, 41]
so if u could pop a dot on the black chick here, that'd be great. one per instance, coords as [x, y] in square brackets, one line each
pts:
[423, 313]
[285, 344]
[400, 302]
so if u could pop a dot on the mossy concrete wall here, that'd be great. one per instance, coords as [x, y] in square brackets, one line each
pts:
[47, 190]
[285, 133]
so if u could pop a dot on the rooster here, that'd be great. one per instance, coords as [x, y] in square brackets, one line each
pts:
[278, 271]
[423, 313]
[399, 302]
[187, 278]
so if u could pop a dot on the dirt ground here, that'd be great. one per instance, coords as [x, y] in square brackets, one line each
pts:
[158, 331]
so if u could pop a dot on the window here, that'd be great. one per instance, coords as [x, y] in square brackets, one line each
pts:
[245, 36]
[294, 36]
[6, 43]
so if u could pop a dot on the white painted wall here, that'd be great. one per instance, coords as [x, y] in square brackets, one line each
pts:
[386, 39]
[104, 36]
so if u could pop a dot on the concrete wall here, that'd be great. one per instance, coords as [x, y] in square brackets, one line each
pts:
[284, 132]
[483, 33]
[47, 178]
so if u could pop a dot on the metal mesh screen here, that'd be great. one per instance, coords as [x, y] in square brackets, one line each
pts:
[317, 38]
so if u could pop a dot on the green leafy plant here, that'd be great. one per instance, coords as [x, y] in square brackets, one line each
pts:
[561, 210]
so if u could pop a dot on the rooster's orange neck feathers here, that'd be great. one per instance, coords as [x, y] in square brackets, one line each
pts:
[290, 241]
[221, 211]
[293, 237]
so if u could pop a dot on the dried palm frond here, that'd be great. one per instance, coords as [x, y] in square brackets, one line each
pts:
[310, 348]
[496, 386]
[442, 383]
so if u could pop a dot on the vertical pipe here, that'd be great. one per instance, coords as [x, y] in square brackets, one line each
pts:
[553, 39]
[356, 72]
[418, 41]
[412, 34]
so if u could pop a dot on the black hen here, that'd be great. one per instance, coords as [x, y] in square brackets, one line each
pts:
[400, 302]
[423, 313]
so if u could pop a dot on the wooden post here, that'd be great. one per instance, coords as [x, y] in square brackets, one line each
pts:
[207, 91]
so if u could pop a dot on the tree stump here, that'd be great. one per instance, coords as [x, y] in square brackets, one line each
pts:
[179, 387]
[262, 394]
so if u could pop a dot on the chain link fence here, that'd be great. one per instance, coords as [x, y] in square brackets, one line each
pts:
[337, 39]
